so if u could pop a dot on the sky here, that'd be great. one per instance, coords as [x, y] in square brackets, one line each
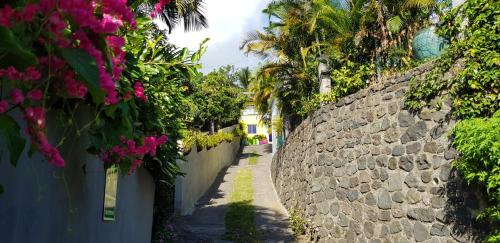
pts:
[229, 22]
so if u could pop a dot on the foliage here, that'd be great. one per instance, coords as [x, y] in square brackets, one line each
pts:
[474, 83]
[65, 57]
[173, 12]
[478, 142]
[298, 224]
[242, 129]
[345, 80]
[244, 76]
[207, 141]
[74, 58]
[278, 125]
[204, 140]
[239, 218]
[260, 137]
[341, 34]
[218, 98]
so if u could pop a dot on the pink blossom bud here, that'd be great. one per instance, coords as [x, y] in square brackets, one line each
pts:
[17, 96]
[3, 106]
[35, 95]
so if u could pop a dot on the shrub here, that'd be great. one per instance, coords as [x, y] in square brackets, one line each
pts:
[478, 142]
[208, 141]
[297, 223]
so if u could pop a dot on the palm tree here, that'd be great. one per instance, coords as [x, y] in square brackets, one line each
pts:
[244, 76]
[189, 12]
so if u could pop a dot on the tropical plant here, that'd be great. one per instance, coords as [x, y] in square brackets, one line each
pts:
[244, 77]
[167, 73]
[173, 12]
[218, 98]
[468, 71]
[478, 142]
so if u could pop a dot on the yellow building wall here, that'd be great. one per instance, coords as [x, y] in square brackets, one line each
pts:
[255, 120]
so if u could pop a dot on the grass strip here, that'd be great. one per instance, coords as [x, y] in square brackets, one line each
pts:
[240, 216]
[253, 159]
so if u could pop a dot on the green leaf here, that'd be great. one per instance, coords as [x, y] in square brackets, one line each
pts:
[10, 132]
[12, 53]
[86, 67]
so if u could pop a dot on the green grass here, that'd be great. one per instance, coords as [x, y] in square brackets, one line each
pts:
[253, 159]
[240, 216]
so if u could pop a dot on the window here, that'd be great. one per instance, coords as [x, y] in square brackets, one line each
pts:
[249, 111]
[252, 129]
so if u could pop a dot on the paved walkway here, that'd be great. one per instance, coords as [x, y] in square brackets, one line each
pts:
[206, 224]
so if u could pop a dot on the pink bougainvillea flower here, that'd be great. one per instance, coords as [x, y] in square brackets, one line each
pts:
[163, 139]
[6, 14]
[3, 106]
[31, 74]
[27, 13]
[52, 154]
[139, 92]
[47, 5]
[35, 95]
[159, 7]
[11, 73]
[73, 87]
[135, 164]
[17, 96]
[36, 115]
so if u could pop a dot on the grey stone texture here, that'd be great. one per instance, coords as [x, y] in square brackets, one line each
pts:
[406, 189]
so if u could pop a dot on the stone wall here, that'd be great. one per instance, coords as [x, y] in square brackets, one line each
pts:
[364, 169]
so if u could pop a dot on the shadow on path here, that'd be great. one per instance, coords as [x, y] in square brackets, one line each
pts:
[206, 224]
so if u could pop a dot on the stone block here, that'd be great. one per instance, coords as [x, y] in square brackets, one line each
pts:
[384, 199]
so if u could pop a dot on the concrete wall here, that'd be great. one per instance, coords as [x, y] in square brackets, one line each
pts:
[201, 169]
[44, 204]
[364, 169]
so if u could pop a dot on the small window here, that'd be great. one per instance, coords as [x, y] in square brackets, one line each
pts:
[252, 129]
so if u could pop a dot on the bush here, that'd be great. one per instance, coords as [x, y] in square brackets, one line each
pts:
[205, 140]
[297, 223]
[478, 142]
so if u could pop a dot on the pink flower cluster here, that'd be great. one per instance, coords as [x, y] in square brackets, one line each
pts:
[30, 74]
[89, 21]
[35, 117]
[7, 14]
[75, 89]
[129, 149]
[139, 92]
[158, 8]
[92, 18]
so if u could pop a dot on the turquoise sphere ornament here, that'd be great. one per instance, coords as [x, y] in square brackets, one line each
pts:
[427, 44]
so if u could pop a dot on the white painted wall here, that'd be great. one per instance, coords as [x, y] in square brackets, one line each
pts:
[201, 169]
[43, 203]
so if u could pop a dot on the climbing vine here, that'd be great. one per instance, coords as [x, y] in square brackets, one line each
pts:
[345, 80]
[469, 70]
[468, 73]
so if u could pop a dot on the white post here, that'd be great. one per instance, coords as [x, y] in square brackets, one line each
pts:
[325, 82]
[274, 115]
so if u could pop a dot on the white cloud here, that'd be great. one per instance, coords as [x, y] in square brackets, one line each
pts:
[229, 22]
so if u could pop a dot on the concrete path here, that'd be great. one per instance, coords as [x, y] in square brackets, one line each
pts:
[206, 224]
